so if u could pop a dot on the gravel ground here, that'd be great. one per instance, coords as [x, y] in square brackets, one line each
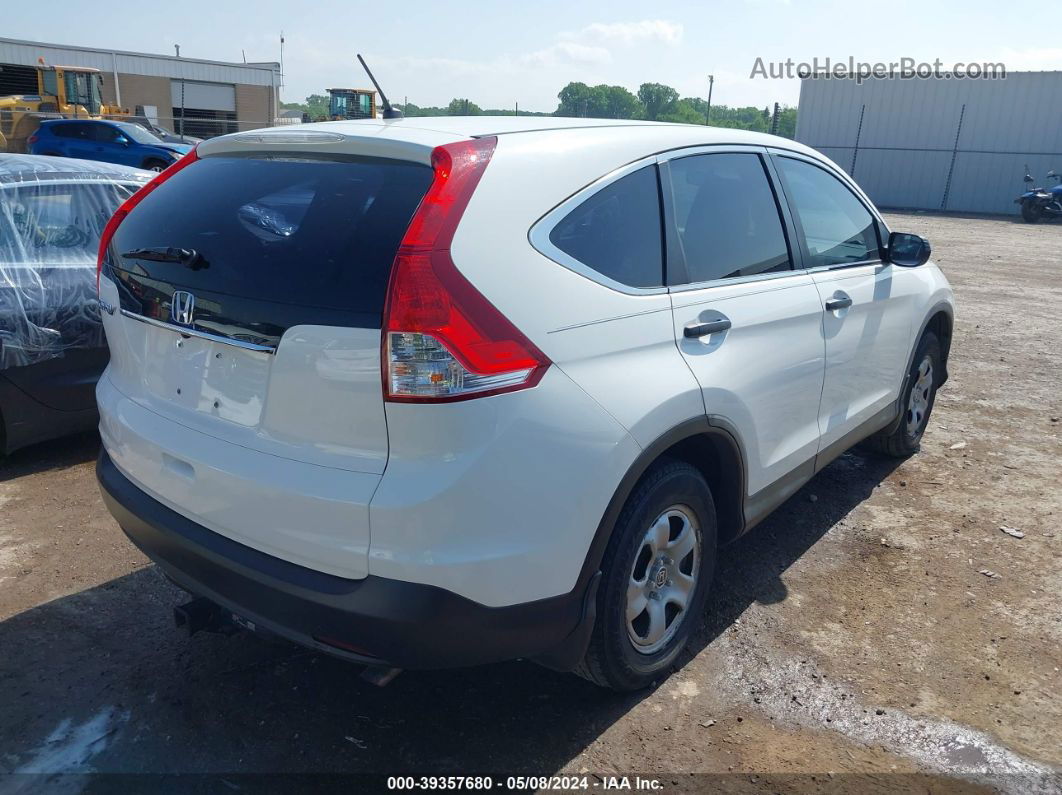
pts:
[853, 643]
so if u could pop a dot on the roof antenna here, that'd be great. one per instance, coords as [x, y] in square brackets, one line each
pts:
[388, 111]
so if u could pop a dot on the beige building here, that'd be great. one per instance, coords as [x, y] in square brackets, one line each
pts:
[190, 95]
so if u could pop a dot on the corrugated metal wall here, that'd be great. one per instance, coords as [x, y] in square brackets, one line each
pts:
[27, 53]
[938, 144]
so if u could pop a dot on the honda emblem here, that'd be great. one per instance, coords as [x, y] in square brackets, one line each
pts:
[182, 307]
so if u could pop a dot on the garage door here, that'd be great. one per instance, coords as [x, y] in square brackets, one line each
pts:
[209, 96]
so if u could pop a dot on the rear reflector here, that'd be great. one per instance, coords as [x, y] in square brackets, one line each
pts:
[443, 341]
[127, 206]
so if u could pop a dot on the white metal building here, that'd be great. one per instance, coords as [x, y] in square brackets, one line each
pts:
[941, 143]
[211, 97]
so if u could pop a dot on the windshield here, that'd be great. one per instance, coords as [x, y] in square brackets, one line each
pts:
[137, 133]
[83, 88]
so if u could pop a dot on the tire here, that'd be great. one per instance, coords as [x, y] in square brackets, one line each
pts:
[917, 402]
[1031, 213]
[674, 498]
[155, 165]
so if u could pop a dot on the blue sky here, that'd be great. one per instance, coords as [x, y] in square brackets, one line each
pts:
[498, 53]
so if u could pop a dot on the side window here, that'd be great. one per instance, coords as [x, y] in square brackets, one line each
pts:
[104, 133]
[617, 231]
[65, 130]
[81, 130]
[727, 217]
[51, 84]
[838, 229]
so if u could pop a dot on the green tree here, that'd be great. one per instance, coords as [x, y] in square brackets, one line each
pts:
[597, 102]
[463, 107]
[787, 119]
[618, 102]
[317, 106]
[574, 100]
[685, 111]
[657, 99]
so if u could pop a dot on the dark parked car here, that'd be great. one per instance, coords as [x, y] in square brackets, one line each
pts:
[52, 348]
[118, 142]
[168, 136]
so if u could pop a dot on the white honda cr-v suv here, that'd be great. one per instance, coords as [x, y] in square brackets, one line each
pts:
[438, 392]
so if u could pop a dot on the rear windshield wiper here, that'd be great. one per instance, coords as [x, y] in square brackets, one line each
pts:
[188, 257]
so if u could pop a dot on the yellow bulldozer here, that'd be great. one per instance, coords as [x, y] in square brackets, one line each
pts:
[351, 103]
[62, 92]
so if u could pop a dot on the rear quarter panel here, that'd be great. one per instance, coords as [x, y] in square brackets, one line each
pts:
[619, 348]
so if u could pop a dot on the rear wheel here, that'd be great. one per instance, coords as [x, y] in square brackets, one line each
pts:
[155, 165]
[1031, 212]
[918, 399]
[655, 578]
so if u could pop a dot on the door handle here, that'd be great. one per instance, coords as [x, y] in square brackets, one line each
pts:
[838, 303]
[695, 330]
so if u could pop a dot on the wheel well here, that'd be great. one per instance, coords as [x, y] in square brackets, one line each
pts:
[717, 457]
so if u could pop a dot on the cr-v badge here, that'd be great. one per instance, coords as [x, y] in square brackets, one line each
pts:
[182, 307]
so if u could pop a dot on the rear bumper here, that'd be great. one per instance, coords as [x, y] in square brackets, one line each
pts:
[371, 620]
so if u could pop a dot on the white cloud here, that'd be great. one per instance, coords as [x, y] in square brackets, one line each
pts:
[567, 52]
[1033, 59]
[661, 30]
[586, 48]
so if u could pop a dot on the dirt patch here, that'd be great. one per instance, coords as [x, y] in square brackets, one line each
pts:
[853, 642]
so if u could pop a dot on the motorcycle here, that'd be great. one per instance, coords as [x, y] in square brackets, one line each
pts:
[1040, 203]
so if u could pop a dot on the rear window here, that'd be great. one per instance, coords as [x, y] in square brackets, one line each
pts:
[56, 223]
[310, 232]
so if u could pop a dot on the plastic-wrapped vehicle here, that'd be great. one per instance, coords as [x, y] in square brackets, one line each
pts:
[52, 348]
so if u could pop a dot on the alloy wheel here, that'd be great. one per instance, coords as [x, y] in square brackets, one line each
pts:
[663, 579]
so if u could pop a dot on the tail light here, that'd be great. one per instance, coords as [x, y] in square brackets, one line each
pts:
[33, 139]
[442, 339]
[128, 205]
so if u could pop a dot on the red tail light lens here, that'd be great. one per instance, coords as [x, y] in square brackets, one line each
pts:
[33, 139]
[127, 206]
[443, 340]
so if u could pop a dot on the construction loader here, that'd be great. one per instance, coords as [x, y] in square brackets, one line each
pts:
[62, 92]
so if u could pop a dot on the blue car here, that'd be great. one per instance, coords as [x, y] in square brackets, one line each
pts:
[110, 141]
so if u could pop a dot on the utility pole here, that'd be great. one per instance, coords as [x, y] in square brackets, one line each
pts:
[708, 112]
[180, 130]
[517, 109]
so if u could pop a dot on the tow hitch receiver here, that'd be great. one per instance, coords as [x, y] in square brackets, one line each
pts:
[202, 614]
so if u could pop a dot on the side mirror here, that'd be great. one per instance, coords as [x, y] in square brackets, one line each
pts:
[908, 251]
[1028, 178]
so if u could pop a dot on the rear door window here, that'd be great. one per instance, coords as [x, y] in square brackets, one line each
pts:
[289, 230]
[617, 231]
[727, 216]
[72, 130]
